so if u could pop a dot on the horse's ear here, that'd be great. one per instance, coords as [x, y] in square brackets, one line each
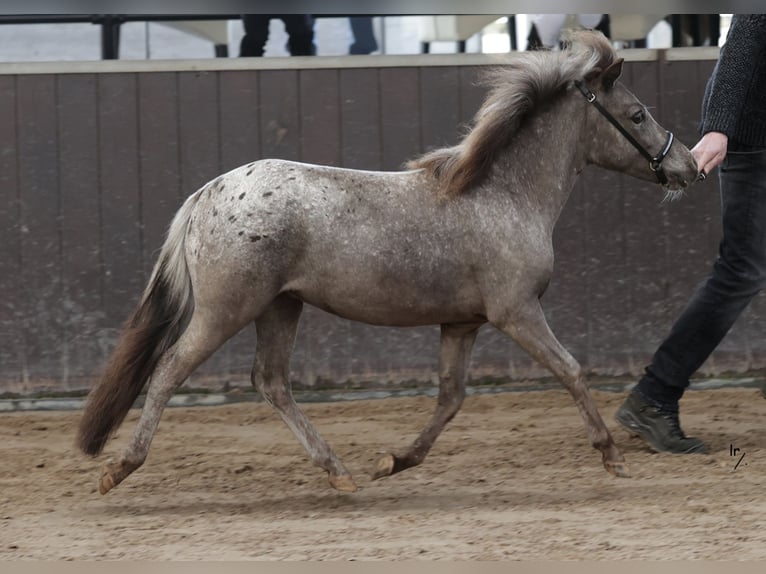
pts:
[610, 75]
[604, 78]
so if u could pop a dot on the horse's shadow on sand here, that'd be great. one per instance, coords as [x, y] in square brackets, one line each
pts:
[382, 503]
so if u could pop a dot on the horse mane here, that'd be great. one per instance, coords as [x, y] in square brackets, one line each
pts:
[516, 91]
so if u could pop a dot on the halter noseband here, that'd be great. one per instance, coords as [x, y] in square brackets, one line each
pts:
[655, 162]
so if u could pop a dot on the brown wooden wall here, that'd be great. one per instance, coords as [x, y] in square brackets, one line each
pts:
[93, 166]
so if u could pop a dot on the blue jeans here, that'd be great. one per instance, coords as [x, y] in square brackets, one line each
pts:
[738, 274]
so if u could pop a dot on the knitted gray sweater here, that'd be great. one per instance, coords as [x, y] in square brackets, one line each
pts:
[735, 96]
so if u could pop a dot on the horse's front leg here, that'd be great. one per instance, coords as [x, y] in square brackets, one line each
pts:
[455, 353]
[527, 326]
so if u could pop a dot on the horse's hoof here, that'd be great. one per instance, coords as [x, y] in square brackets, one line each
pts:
[106, 482]
[384, 466]
[619, 469]
[343, 483]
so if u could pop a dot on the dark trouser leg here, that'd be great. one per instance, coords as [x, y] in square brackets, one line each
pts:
[300, 29]
[364, 38]
[256, 35]
[738, 275]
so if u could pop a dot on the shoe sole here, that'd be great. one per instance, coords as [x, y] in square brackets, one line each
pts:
[633, 425]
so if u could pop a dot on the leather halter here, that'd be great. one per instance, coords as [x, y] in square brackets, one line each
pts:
[655, 162]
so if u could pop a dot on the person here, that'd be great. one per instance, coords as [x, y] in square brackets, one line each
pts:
[545, 31]
[299, 28]
[733, 129]
[364, 37]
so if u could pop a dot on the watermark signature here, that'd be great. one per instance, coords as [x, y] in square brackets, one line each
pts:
[734, 451]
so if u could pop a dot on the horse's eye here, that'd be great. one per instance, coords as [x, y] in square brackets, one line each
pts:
[638, 117]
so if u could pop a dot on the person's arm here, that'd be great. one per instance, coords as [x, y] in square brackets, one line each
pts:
[733, 75]
[728, 88]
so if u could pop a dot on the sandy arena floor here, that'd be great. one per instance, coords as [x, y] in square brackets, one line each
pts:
[512, 477]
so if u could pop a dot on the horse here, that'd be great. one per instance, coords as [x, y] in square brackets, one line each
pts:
[461, 237]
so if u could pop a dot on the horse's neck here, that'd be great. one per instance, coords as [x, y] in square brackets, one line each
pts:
[542, 163]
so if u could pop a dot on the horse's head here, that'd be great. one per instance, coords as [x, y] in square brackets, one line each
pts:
[623, 135]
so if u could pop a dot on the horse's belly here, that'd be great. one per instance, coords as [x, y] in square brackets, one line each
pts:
[395, 308]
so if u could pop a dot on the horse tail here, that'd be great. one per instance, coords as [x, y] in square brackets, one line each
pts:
[159, 320]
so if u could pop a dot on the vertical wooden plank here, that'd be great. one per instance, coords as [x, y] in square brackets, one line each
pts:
[279, 119]
[440, 106]
[603, 273]
[361, 138]
[80, 227]
[120, 196]
[12, 312]
[360, 118]
[471, 94]
[199, 129]
[240, 144]
[565, 300]
[159, 161]
[40, 238]
[240, 126]
[646, 241]
[325, 337]
[320, 116]
[400, 115]
[689, 255]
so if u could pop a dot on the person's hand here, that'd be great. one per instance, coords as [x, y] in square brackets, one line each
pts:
[710, 151]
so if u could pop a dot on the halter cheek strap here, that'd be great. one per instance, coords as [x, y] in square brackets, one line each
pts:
[655, 162]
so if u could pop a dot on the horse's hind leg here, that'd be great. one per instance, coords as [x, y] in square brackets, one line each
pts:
[528, 327]
[204, 334]
[276, 329]
[454, 356]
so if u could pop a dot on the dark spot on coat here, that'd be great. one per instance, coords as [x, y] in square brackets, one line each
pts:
[215, 212]
[249, 172]
[254, 238]
[290, 178]
[241, 195]
[249, 214]
[232, 218]
[222, 187]
[267, 194]
[241, 233]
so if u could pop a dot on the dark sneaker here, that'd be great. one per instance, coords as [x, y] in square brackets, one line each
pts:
[659, 428]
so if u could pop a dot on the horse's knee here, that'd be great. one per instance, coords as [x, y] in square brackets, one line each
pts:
[274, 391]
[572, 376]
